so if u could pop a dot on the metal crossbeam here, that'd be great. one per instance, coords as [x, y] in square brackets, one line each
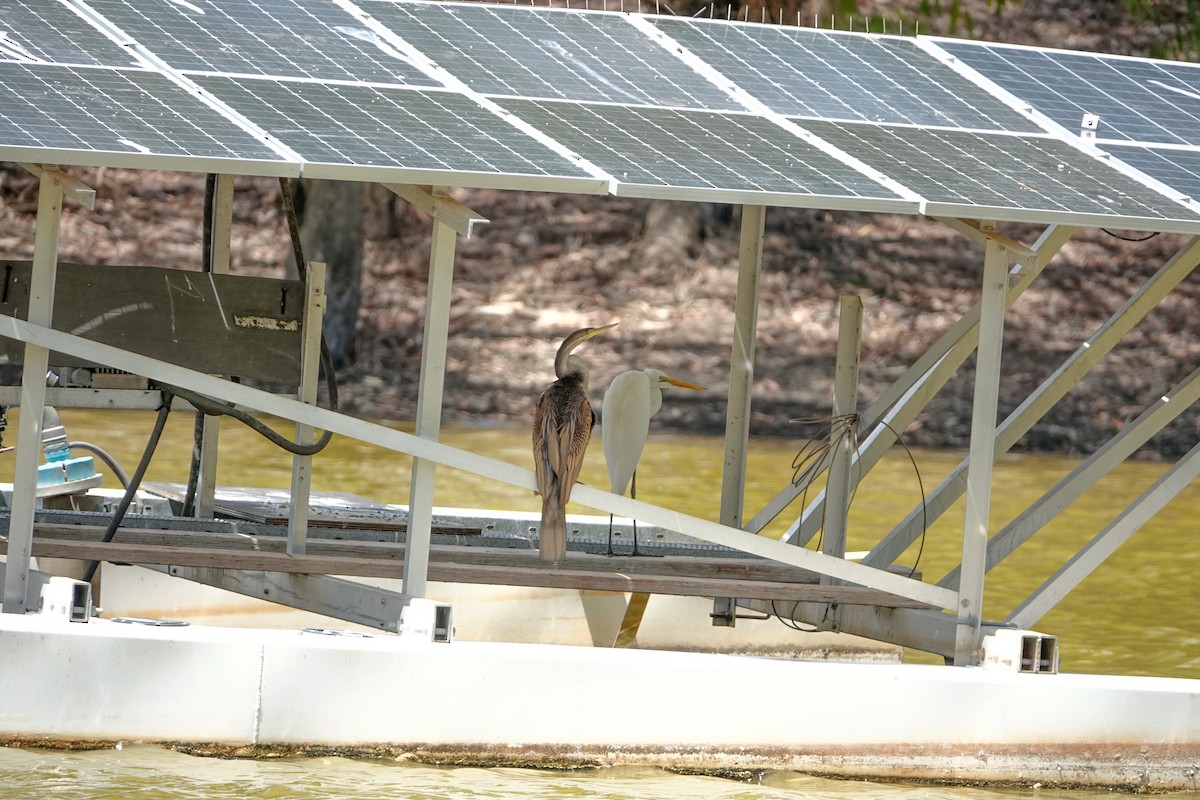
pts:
[1105, 543]
[1042, 399]
[1083, 477]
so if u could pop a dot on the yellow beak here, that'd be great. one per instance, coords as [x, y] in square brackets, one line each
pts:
[681, 384]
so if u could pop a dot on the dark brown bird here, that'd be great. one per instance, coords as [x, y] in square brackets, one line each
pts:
[562, 426]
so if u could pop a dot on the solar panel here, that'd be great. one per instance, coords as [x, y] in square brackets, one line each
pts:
[542, 53]
[1003, 176]
[649, 150]
[283, 38]
[36, 30]
[520, 97]
[1137, 99]
[123, 118]
[346, 129]
[842, 76]
[1177, 167]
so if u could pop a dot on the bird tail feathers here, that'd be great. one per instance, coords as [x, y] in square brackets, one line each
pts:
[552, 535]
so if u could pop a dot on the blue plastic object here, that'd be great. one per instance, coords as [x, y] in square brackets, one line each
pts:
[60, 471]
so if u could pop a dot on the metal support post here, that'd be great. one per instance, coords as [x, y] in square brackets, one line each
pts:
[968, 637]
[741, 365]
[314, 312]
[33, 396]
[741, 382]
[429, 407]
[222, 233]
[842, 444]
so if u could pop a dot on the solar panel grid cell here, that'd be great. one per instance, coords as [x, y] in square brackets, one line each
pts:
[837, 75]
[372, 126]
[642, 146]
[1026, 174]
[1136, 99]
[541, 53]
[282, 38]
[354, 96]
[1176, 167]
[37, 30]
[109, 110]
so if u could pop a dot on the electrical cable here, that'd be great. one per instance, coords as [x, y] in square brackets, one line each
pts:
[131, 489]
[218, 407]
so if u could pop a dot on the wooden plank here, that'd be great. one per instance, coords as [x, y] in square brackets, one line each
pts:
[690, 566]
[693, 566]
[222, 324]
[534, 573]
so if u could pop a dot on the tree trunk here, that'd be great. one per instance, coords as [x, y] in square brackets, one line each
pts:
[330, 215]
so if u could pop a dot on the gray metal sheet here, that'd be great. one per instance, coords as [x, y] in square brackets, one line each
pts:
[1137, 99]
[681, 150]
[837, 75]
[284, 38]
[388, 127]
[1177, 167]
[134, 118]
[45, 30]
[1026, 176]
[544, 53]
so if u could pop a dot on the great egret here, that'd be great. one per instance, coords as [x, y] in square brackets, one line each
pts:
[562, 426]
[631, 400]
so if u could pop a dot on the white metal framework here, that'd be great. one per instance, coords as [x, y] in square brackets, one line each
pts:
[953, 623]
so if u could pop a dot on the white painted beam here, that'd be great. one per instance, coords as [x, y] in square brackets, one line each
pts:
[220, 243]
[310, 360]
[440, 206]
[969, 637]
[33, 394]
[429, 406]
[741, 365]
[844, 430]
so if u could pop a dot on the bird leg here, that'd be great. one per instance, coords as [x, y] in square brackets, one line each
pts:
[610, 527]
[633, 494]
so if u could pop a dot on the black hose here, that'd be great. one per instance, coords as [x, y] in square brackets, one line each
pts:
[131, 489]
[218, 407]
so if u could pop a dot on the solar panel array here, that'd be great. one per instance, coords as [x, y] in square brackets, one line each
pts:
[553, 99]
[1148, 110]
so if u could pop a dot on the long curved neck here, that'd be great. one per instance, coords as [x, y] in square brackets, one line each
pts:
[572, 367]
[566, 364]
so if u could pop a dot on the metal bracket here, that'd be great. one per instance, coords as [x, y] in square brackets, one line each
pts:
[80, 193]
[1088, 127]
[439, 205]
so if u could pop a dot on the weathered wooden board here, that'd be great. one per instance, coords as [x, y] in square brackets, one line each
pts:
[703, 577]
[235, 325]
